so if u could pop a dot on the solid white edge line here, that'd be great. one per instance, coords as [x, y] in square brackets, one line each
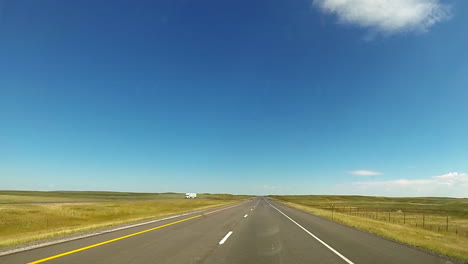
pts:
[314, 236]
[97, 233]
[225, 238]
[245, 215]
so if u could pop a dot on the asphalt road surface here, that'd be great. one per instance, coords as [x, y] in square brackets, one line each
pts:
[257, 231]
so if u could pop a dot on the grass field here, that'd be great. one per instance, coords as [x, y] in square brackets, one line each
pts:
[417, 221]
[95, 196]
[29, 216]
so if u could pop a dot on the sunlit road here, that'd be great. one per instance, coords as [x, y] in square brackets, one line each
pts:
[257, 231]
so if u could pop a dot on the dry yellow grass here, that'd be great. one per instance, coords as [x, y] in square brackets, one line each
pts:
[444, 243]
[22, 223]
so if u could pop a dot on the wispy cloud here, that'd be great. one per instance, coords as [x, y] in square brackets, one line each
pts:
[365, 173]
[451, 184]
[387, 16]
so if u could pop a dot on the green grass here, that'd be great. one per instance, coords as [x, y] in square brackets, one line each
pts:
[372, 214]
[68, 196]
[454, 206]
[25, 222]
[99, 196]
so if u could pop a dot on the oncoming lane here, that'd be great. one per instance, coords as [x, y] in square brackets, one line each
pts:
[190, 239]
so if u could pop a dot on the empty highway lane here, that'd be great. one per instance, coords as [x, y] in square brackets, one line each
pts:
[256, 231]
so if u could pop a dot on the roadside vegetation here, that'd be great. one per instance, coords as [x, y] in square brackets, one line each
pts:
[98, 196]
[30, 216]
[438, 224]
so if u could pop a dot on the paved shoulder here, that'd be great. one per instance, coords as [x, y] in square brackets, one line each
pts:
[360, 246]
[258, 231]
[186, 239]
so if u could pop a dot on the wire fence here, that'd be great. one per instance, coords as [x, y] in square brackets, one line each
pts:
[438, 221]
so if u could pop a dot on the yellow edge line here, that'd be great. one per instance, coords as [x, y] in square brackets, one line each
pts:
[122, 237]
[109, 241]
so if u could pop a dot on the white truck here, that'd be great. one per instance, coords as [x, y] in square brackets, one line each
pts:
[190, 195]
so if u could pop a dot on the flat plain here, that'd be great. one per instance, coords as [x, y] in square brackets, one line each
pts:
[437, 224]
[27, 216]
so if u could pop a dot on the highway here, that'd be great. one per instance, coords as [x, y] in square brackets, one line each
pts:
[256, 231]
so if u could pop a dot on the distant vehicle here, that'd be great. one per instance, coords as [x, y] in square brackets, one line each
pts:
[190, 195]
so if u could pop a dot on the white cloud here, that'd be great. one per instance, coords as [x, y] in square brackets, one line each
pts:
[387, 16]
[452, 184]
[365, 173]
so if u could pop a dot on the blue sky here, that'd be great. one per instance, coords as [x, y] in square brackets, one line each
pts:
[258, 97]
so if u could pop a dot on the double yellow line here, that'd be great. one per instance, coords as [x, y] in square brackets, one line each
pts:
[123, 237]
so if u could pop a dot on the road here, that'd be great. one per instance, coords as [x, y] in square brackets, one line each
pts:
[257, 231]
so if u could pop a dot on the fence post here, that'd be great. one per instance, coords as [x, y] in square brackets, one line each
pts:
[446, 224]
[389, 217]
[404, 217]
[423, 219]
